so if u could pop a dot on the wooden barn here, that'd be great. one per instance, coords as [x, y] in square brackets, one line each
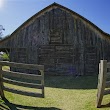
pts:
[62, 40]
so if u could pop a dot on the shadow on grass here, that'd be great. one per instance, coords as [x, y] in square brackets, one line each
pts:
[6, 105]
[71, 82]
[105, 106]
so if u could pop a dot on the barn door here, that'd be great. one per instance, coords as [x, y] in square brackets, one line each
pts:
[46, 57]
[91, 60]
[57, 59]
[64, 59]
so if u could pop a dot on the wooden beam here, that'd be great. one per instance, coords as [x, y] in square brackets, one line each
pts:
[21, 75]
[99, 75]
[42, 82]
[23, 92]
[22, 65]
[101, 82]
[24, 84]
[1, 83]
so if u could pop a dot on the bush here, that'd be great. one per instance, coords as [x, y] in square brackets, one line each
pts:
[5, 57]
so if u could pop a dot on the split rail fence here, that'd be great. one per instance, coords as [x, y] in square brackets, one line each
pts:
[7, 77]
[103, 81]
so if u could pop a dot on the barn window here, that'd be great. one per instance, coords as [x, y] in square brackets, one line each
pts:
[55, 37]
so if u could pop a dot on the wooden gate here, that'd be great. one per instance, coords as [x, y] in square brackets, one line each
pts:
[20, 79]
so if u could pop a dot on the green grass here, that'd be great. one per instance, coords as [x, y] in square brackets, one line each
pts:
[61, 93]
[6, 68]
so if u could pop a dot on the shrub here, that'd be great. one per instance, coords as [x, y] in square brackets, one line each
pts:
[5, 57]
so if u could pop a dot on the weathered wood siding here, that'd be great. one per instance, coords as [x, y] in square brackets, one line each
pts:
[62, 41]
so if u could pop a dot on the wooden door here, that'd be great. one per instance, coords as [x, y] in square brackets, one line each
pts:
[91, 66]
[57, 59]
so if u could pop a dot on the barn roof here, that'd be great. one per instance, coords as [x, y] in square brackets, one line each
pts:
[51, 6]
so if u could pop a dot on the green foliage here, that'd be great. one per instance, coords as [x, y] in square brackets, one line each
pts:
[5, 57]
[7, 68]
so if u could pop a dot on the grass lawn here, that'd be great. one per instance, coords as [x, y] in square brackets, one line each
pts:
[61, 93]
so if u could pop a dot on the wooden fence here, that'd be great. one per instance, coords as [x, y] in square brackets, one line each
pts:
[103, 81]
[7, 77]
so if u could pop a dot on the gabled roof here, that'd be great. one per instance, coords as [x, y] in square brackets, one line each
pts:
[60, 6]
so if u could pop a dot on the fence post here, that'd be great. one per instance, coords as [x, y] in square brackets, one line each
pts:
[42, 81]
[1, 83]
[99, 78]
[101, 81]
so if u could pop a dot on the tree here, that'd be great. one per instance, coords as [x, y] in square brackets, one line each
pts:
[1, 29]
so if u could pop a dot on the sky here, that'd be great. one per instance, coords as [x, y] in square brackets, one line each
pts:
[14, 13]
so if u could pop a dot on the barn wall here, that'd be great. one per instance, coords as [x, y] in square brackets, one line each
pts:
[57, 29]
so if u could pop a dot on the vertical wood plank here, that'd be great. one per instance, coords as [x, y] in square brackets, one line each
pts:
[42, 81]
[99, 76]
[1, 83]
[101, 85]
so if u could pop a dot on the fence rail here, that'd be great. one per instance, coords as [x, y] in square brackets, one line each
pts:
[7, 77]
[103, 81]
